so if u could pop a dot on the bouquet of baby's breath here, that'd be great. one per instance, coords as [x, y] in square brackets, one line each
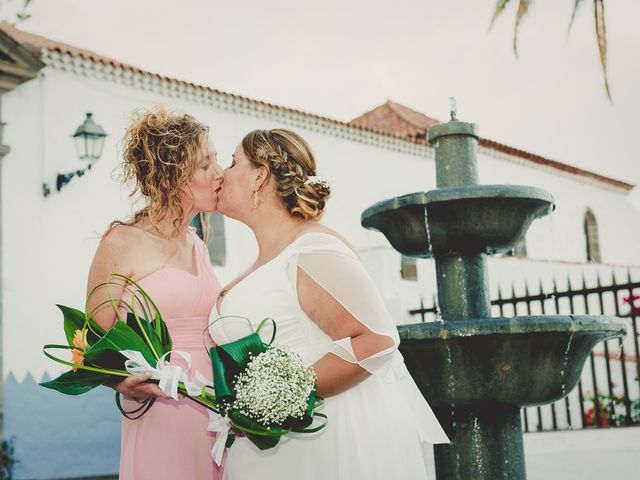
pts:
[274, 387]
[265, 390]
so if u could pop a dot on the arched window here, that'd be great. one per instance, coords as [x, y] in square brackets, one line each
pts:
[592, 238]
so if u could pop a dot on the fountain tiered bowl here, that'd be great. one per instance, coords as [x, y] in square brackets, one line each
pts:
[520, 361]
[465, 220]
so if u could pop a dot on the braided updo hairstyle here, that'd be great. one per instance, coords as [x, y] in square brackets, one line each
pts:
[161, 150]
[288, 158]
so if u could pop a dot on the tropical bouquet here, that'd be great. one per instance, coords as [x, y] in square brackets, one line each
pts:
[262, 390]
[138, 342]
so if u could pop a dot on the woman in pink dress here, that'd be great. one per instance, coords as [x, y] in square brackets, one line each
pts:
[171, 160]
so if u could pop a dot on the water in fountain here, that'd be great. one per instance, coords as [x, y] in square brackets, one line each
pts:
[505, 474]
[478, 456]
[551, 257]
[565, 361]
[428, 234]
[452, 391]
[452, 384]
[464, 298]
[427, 230]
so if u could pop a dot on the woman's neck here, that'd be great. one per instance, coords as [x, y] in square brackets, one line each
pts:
[166, 228]
[274, 230]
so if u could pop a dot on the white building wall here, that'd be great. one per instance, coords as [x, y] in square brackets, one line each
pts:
[576, 455]
[583, 455]
[560, 236]
[48, 242]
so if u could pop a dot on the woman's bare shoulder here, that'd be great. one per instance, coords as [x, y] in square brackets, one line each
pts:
[120, 234]
[123, 240]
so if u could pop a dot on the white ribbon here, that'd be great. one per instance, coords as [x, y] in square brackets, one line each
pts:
[221, 426]
[168, 375]
[194, 386]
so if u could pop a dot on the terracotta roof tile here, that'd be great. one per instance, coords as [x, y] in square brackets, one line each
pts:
[391, 119]
[396, 119]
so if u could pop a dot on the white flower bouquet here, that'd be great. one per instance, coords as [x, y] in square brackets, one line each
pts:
[265, 390]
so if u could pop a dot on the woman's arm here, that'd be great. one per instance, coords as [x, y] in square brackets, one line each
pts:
[111, 257]
[335, 375]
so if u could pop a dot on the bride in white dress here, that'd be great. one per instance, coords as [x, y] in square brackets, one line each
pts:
[327, 310]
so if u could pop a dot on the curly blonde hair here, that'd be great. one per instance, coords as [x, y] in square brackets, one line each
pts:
[289, 159]
[161, 148]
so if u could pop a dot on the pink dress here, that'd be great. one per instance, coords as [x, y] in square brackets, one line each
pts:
[171, 440]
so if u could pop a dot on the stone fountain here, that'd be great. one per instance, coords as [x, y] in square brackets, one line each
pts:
[478, 371]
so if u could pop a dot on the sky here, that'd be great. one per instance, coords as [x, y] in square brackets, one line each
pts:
[340, 58]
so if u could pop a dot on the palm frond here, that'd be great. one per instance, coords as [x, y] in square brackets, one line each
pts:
[523, 7]
[576, 6]
[499, 9]
[601, 35]
[600, 25]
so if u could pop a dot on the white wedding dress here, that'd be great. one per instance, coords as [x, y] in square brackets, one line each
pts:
[374, 429]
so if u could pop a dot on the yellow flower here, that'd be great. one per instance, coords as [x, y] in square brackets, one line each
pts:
[80, 342]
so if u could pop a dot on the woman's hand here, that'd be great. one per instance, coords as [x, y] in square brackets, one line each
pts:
[139, 388]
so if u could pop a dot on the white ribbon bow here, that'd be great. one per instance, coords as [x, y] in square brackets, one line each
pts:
[221, 426]
[168, 375]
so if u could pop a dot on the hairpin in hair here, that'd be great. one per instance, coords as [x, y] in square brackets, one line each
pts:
[314, 180]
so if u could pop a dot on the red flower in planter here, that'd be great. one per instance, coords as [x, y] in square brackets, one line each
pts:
[590, 418]
[632, 300]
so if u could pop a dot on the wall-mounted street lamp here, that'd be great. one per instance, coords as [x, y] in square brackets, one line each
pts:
[89, 138]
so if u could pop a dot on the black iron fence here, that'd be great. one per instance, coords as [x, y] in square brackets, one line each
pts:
[608, 393]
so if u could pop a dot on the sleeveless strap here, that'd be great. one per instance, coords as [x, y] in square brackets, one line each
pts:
[199, 246]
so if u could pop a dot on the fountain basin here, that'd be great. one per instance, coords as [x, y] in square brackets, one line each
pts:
[463, 220]
[520, 361]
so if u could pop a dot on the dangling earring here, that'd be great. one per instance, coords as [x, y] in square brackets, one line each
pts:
[255, 199]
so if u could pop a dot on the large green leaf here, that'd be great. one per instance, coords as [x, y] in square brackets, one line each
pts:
[155, 331]
[76, 383]
[144, 329]
[140, 322]
[162, 333]
[230, 359]
[119, 337]
[241, 350]
[107, 359]
[75, 320]
[262, 437]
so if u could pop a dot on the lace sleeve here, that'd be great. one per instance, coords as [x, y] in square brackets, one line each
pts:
[337, 270]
